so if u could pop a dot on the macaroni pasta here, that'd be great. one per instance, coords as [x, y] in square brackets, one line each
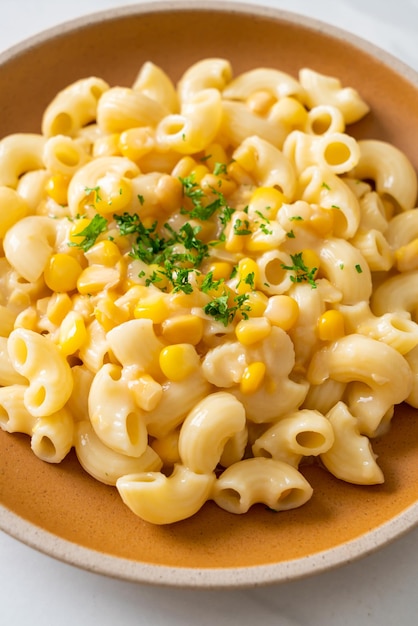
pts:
[206, 285]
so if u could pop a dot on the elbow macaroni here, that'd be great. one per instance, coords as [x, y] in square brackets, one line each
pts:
[205, 285]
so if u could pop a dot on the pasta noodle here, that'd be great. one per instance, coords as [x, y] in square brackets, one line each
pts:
[206, 285]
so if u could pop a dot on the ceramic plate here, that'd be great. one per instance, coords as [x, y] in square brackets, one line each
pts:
[63, 512]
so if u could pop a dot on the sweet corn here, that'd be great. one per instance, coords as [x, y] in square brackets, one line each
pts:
[241, 176]
[134, 143]
[183, 167]
[248, 275]
[108, 145]
[169, 191]
[153, 307]
[57, 188]
[220, 270]
[77, 227]
[406, 257]
[252, 330]
[214, 154]
[282, 311]
[312, 261]
[115, 195]
[322, 221]
[253, 377]
[198, 172]
[331, 325]
[266, 202]
[72, 333]
[103, 252]
[291, 112]
[178, 361]
[108, 314]
[261, 101]
[95, 278]
[62, 272]
[185, 328]
[58, 306]
[255, 304]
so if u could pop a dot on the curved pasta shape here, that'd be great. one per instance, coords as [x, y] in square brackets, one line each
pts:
[345, 267]
[104, 175]
[210, 73]
[397, 293]
[20, 153]
[380, 377]
[271, 167]
[105, 464]
[135, 343]
[184, 132]
[40, 361]
[324, 118]
[412, 359]
[152, 81]
[280, 84]
[8, 374]
[391, 170]
[28, 245]
[114, 415]
[206, 430]
[65, 155]
[73, 107]
[239, 122]
[121, 108]
[375, 249]
[351, 457]
[53, 436]
[302, 433]
[320, 186]
[159, 499]
[276, 484]
[403, 229]
[322, 89]
[14, 416]
[12, 209]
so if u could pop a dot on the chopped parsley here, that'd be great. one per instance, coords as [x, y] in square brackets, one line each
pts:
[242, 227]
[220, 168]
[359, 269]
[97, 226]
[302, 273]
[219, 308]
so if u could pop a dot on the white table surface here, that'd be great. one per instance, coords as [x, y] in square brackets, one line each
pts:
[37, 590]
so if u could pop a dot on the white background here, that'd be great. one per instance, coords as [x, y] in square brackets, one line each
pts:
[380, 589]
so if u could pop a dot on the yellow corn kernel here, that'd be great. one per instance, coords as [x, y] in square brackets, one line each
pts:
[261, 101]
[255, 304]
[248, 275]
[72, 333]
[252, 330]
[185, 328]
[57, 188]
[153, 307]
[213, 155]
[108, 314]
[266, 201]
[291, 112]
[178, 361]
[62, 272]
[245, 156]
[241, 176]
[322, 221]
[77, 227]
[183, 167]
[198, 172]
[167, 448]
[12, 209]
[107, 145]
[134, 143]
[169, 191]
[311, 261]
[406, 257]
[282, 311]
[58, 306]
[225, 185]
[220, 270]
[331, 325]
[103, 252]
[115, 195]
[95, 278]
[253, 377]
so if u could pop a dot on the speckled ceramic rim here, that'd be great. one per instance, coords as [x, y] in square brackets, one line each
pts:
[125, 569]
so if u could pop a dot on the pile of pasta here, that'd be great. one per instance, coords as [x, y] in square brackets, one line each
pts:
[206, 285]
